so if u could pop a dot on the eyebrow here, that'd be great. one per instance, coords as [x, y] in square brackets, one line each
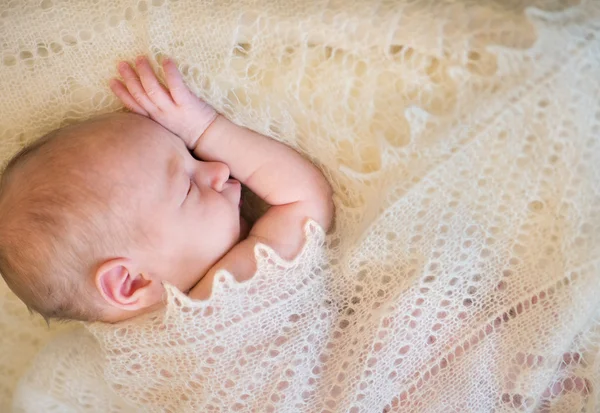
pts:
[173, 168]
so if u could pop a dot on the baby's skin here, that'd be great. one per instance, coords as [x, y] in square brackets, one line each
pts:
[188, 196]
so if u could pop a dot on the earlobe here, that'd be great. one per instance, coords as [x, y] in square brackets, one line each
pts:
[122, 286]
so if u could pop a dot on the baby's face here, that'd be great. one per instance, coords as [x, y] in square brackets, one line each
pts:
[187, 211]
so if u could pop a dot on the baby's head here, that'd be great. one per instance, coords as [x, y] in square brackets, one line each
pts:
[95, 216]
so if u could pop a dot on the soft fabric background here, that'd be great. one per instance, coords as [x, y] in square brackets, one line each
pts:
[462, 141]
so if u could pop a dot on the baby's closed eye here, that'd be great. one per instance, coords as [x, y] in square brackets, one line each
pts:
[187, 193]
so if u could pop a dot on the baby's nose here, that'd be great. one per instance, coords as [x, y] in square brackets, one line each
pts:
[217, 174]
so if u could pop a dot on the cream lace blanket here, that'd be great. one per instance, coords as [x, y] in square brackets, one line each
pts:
[462, 139]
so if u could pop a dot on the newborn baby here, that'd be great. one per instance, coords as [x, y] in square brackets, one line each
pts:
[95, 217]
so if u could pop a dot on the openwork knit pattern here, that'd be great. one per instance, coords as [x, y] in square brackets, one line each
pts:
[462, 140]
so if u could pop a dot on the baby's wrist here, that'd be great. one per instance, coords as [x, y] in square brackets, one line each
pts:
[197, 132]
[211, 140]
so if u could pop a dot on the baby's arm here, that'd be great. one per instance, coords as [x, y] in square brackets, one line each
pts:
[284, 179]
[292, 185]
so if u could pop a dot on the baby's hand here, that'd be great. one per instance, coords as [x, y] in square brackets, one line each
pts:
[177, 109]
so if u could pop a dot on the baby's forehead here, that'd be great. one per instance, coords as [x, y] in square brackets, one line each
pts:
[136, 135]
[138, 152]
[119, 139]
[108, 145]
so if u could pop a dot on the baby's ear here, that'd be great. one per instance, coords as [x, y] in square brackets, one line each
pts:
[123, 287]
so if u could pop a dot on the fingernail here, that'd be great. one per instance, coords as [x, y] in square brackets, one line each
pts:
[139, 59]
[123, 65]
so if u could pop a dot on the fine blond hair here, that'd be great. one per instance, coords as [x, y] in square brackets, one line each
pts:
[55, 227]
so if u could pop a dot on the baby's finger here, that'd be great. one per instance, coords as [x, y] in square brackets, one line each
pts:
[177, 87]
[135, 88]
[152, 86]
[123, 94]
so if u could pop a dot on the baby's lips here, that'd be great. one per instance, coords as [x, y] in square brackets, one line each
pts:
[235, 181]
